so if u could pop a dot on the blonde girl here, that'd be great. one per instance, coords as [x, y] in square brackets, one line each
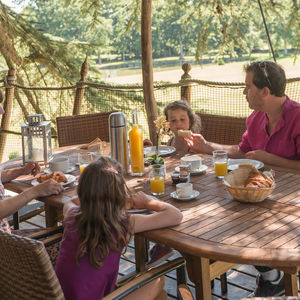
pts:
[180, 116]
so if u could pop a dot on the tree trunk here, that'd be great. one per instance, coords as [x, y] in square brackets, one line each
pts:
[181, 49]
[8, 104]
[147, 69]
[285, 47]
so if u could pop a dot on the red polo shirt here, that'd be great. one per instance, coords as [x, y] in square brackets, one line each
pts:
[285, 138]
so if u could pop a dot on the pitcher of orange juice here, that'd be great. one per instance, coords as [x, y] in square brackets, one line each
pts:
[136, 147]
[220, 158]
[157, 179]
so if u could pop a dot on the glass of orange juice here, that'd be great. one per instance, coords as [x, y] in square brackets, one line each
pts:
[85, 158]
[220, 158]
[157, 179]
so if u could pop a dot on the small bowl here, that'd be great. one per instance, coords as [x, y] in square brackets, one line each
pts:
[234, 182]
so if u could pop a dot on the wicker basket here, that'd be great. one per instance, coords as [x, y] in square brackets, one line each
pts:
[234, 182]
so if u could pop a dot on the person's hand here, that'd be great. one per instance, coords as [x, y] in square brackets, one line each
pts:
[48, 187]
[32, 168]
[196, 143]
[147, 143]
[260, 155]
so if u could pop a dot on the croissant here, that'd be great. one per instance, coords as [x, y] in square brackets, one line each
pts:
[57, 176]
[258, 180]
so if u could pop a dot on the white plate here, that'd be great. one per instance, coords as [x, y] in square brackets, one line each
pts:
[70, 178]
[137, 210]
[201, 170]
[71, 169]
[193, 196]
[234, 163]
[162, 150]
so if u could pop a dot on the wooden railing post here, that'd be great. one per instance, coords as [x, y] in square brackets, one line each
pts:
[186, 89]
[8, 104]
[80, 87]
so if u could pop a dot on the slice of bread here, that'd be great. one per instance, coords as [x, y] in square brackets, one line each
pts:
[246, 165]
[184, 133]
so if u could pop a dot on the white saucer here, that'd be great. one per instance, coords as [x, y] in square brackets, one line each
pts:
[201, 170]
[192, 196]
[71, 169]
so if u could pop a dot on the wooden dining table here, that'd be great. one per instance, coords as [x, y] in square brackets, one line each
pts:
[217, 232]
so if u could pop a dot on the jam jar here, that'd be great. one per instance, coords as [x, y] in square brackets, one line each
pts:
[175, 178]
[184, 173]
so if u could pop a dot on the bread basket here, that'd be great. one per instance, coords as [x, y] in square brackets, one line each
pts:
[234, 182]
[96, 145]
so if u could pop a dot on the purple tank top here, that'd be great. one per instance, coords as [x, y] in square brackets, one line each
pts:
[84, 282]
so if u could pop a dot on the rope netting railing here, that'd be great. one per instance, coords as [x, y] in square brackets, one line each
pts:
[223, 98]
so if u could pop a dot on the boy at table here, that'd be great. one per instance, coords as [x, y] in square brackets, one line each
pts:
[272, 136]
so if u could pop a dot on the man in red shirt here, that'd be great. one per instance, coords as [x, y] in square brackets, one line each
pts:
[272, 136]
[273, 129]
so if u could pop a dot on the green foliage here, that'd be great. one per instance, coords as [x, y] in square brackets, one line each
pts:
[221, 62]
[14, 154]
[154, 159]
[179, 28]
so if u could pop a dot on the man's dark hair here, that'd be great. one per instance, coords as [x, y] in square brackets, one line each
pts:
[268, 74]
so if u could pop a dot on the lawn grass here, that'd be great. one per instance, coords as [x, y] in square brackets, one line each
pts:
[230, 72]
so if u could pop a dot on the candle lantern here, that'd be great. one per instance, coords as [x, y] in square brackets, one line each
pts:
[36, 139]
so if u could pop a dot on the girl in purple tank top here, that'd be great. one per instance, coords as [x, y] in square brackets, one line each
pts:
[97, 228]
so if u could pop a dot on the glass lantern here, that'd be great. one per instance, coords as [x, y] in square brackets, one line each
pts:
[36, 139]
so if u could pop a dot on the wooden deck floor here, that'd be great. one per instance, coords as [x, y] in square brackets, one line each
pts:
[241, 280]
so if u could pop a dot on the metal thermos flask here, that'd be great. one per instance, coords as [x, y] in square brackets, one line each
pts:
[118, 138]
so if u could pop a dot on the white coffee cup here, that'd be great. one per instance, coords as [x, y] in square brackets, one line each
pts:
[184, 189]
[193, 160]
[59, 164]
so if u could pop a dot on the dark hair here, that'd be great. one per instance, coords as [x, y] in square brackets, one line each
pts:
[102, 224]
[273, 77]
[194, 118]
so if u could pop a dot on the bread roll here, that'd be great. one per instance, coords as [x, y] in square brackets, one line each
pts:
[184, 133]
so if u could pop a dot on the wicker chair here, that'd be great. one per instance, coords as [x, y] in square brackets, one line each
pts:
[80, 129]
[224, 130]
[27, 273]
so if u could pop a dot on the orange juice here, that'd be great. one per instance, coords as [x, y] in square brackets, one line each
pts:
[220, 168]
[157, 184]
[82, 167]
[136, 150]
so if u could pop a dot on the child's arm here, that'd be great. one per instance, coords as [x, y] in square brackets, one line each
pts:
[164, 214]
